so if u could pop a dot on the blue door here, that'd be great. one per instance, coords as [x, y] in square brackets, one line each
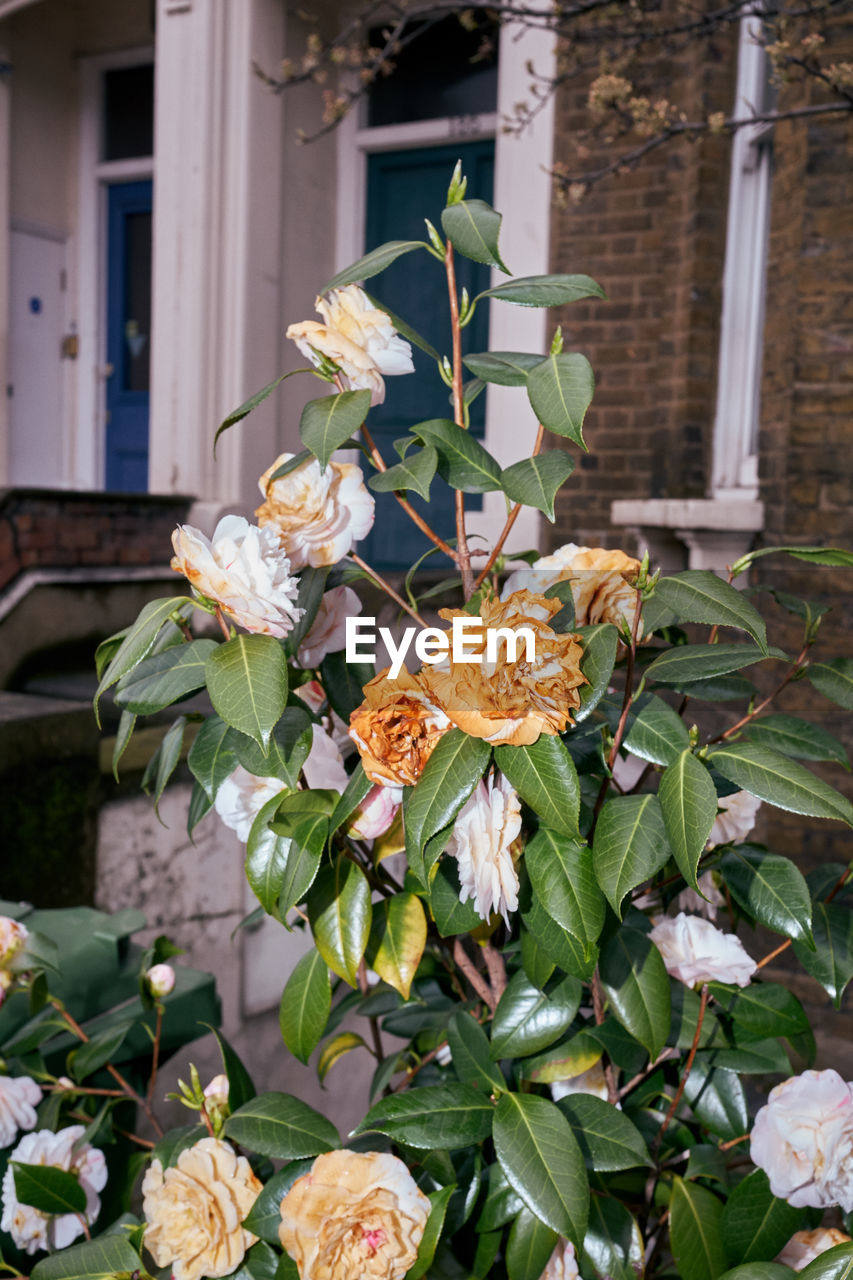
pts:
[128, 335]
[403, 188]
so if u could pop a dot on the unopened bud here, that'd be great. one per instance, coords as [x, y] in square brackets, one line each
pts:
[216, 1092]
[161, 980]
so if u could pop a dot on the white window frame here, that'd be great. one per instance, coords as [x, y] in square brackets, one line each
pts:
[87, 461]
[734, 471]
[522, 192]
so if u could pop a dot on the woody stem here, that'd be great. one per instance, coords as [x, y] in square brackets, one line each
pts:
[413, 515]
[463, 555]
[386, 587]
[510, 521]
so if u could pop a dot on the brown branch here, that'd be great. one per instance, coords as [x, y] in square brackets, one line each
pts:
[497, 970]
[413, 515]
[222, 623]
[510, 520]
[463, 555]
[662, 1057]
[472, 973]
[411, 1072]
[750, 715]
[733, 1142]
[386, 587]
[673, 1106]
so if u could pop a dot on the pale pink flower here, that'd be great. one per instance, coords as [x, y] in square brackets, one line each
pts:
[805, 1246]
[317, 515]
[733, 825]
[241, 797]
[563, 1264]
[694, 952]
[327, 633]
[161, 980]
[706, 903]
[31, 1229]
[803, 1140]
[483, 833]
[376, 812]
[324, 769]
[19, 1097]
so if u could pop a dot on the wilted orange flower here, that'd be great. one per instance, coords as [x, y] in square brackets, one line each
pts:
[354, 1217]
[504, 700]
[601, 582]
[396, 729]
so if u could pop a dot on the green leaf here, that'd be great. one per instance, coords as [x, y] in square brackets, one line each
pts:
[397, 942]
[450, 775]
[503, 368]
[613, 1242]
[312, 586]
[527, 1019]
[755, 1224]
[770, 888]
[414, 472]
[303, 818]
[336, 1048]
[267, 856]
[373, 263]
[701, 662]
[757, 1057]
[630, 845]
[761, 1010]
[545, 777]
[247, 683]
[529, 1246]
[695, 1215]
[287, 750]
[212, 757]
[780, 781]
[124, 732]
[451, 916]
[264, 1217]
[438, 1117]
[282, 1127]
[534, 482]
[562, 873]
[48, 1188]
[658, 734]
[600, 643]
[542, 1161]
[344, 682]
[560, 391]
[473, 228]
[165, 761]
[351, 797]
[293, 463]
[305, 1005]
[717, 1099]
[607, 1138]
[688, 801]
[831, 963]
[797, 738]
[546, 291]
[469, 1046]
[462, 460]
[253, 401]
[340, 913]
[536, 964]
[139, 640]
[834, 679]
[164, 678]
[700, 596]
[432, 1232]
[759, 1271]
[570, 954]
[326, 423]
[835, 1264]
[636, 982]
[98, 1049]
[101, 1259]
[241, 1087]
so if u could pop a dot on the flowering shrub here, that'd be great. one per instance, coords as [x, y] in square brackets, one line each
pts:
[564, 944]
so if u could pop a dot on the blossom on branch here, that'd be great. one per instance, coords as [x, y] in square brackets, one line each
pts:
[31, 1229]
[805, 1246]
[803, 1140]
[694, 951]
[19, 1097]
[734, 823]
[316, 515]
[13, 935]
[396, 729]
[562, 1264]
[601, 582]
[327, 633]
[483, 834]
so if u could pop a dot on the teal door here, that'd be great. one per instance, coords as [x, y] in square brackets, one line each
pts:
[128, 335]
[404, 187]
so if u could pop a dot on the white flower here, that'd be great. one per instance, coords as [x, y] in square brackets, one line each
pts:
[805, 1246]
[241, 797]
[705, 903]
[313, 695]
[357, 337]
[562, 1265]
[161, 980]
[317, 515]
[803, 1140]
[488, 823]
[694, 951]
[19, 1097]
[734, 824]
[244, 570]
[590, 1081]
[13, 935]
[376, 812]
[30, 1228]
[324, 769]
[328, 630]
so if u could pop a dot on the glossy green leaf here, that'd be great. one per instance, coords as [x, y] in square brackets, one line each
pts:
[688, 801]
[473, 228]
[535, 482]
[241, 1087]
[451, 916]
[344, 682]
[287, 750]
[834, 679]
[253, 401]
[759, 1271]
[101, 1259]
[139, 640]
[124, 732]
[328, 422]
[545, 777]
[770, 888]
[99, 1049]
[717, 1099]
[701, 662]
[432, 1232]
[797, 738]
[658, 734]
[373, 263]
[336, 1048]
[755, 1224]
[695, 1215]
[266, 859]
[164, 762]
[449, 777]
[212, 757]
[546, 290]
[163, 678]
[568, 952]
[536, 963]
[503, 368]
[780, 781]
[282, 1127]
[698, 595]
[538, 1153]
[636, 983]
[754, 1058]
[247, 683]
[351, 797]
[761, 1010]
[607, 1138]
[415, 472]
[600, 643]
[48, 1188]
[303, 818]
[562, 874]
[305, 1005]
[835, 1264]
[529, 1246]
[613, 1242]
[397, 941]
[437, 1117]
[462, 460]
[630, 845]
[527, 1019]
[560, 391]
[340, 912]
[501, 1203]
[264, 1217]
[470, 1050]
[831, 963]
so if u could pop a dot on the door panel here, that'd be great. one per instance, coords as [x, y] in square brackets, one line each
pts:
[35, 372]
[128, 335]
[403, 188]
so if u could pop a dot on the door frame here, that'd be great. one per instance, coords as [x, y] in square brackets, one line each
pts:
[522, 194]
[86, 465]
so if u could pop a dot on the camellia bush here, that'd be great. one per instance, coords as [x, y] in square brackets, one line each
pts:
[521, 855]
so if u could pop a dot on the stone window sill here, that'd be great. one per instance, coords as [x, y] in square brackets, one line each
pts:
[691, 533]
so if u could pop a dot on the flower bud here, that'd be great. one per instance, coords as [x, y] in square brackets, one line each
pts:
[160, 980]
